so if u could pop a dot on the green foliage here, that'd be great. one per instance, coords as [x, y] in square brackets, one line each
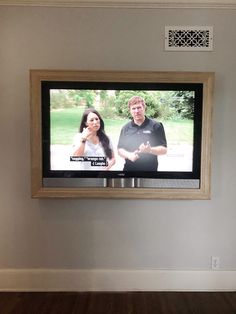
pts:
[159, 104]
[83, 97]
[60, 99]
[122, 108]
[183, 104]
[103, 96]
[107, 112]
[107, 104]
[188, 101]
[66, 98]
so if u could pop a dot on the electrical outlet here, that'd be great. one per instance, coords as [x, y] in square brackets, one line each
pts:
[215, 262]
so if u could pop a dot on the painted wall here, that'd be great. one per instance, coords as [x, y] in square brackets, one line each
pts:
[112, 234]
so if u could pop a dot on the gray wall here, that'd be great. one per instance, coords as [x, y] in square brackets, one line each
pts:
[112, 234]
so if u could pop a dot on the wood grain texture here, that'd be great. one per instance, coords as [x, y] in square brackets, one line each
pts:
[155, 4]
[118, 302]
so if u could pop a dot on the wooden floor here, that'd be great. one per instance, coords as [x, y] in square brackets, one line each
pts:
[118, 302]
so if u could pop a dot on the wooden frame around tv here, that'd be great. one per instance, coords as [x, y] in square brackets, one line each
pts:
[40, 191]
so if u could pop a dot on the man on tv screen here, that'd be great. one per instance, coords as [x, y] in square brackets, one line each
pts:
[142, 139]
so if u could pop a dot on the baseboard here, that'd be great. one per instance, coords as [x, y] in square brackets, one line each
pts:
[115, 280]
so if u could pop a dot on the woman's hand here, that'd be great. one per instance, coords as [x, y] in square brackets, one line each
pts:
[110, 163]
[86, 133]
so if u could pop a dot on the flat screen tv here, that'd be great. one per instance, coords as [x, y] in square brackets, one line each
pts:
[181, 102]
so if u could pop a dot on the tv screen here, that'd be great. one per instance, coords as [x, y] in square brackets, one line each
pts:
[72, 157]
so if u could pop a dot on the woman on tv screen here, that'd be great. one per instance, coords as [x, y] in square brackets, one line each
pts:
[91, 145]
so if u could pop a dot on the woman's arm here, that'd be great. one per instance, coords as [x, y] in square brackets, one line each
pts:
[80, 147]
[111, 162]
[81, 141]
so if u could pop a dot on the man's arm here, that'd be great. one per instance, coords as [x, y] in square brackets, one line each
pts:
[132, 156]
[155, 150]
[158, 150]
[161, 147]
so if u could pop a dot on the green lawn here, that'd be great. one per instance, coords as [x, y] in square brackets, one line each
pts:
[65, 124]
[180, 131]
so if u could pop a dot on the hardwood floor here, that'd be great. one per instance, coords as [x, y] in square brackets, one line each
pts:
[118, 302]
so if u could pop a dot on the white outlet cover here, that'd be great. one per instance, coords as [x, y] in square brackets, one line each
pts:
[215, 262]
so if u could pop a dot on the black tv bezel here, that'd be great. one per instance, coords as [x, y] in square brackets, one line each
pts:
[197, 87]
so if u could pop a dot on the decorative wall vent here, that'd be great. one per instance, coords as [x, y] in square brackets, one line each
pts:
[189, 38]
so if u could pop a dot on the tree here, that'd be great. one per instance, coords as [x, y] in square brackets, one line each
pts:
[150, 98]
[83, 97]
[183, 104]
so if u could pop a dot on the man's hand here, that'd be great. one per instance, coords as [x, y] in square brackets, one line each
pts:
[133, 156]
[145, 148]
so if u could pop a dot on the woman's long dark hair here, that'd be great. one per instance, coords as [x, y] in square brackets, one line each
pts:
[103, 138]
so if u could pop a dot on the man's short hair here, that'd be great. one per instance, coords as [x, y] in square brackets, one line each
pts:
[135, 100]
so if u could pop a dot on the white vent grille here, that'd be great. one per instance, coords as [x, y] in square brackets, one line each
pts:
[189, 38]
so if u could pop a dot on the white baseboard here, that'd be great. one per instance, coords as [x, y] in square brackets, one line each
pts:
[115, 280]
